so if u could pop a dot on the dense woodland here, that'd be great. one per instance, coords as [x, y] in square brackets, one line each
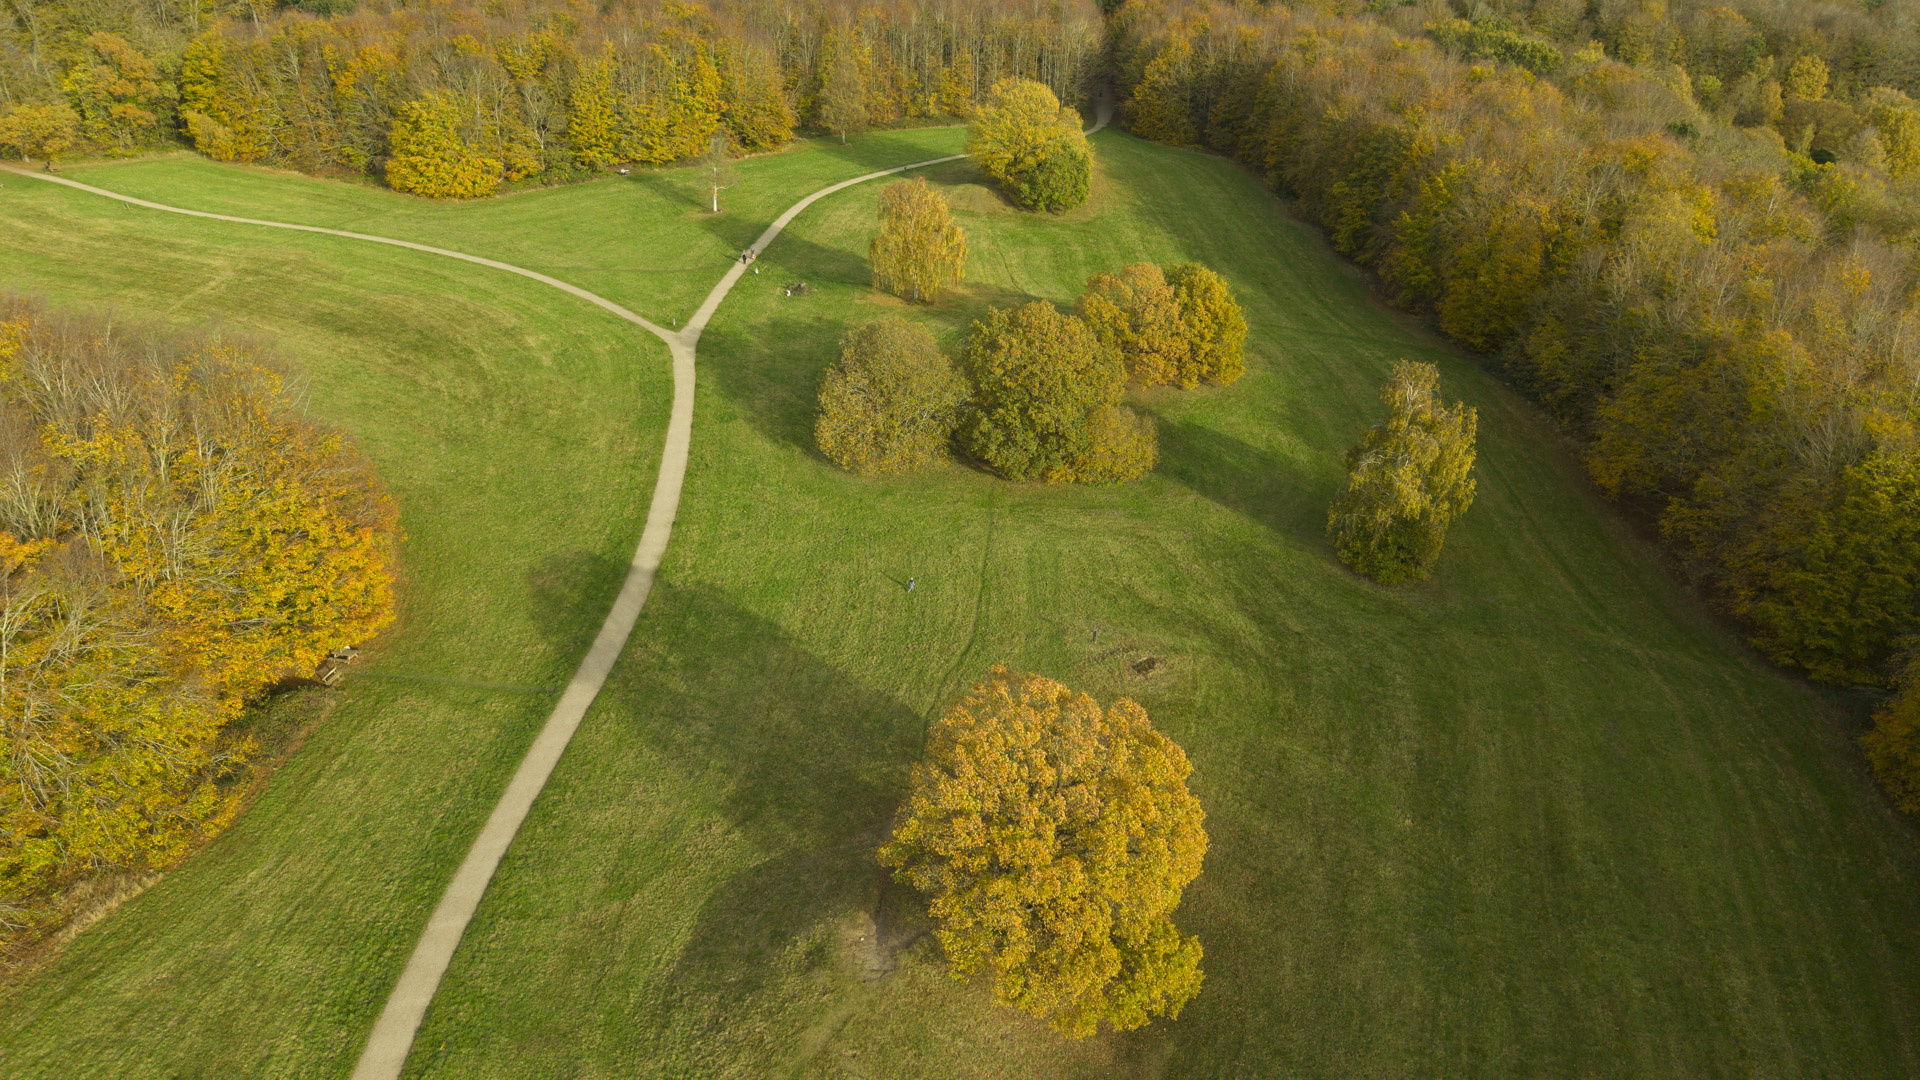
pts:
[175, 539]
[452, 100]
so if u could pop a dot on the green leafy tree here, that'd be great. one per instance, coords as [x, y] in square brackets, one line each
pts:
[1136, 314]
[430, 156]
[1054, 839]
[1039, 378]
[1033, 146]
[889, 404]
[1212, 323]
[1407, 480]
[919, 251]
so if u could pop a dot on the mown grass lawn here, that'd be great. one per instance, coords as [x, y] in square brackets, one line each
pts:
[1538, 816]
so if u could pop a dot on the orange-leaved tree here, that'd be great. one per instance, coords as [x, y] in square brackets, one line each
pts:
[1054, 839]
[919, 251]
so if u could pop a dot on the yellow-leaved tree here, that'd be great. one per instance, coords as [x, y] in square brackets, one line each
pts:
[1054, 839]
[891, 401]
[431, 157]
[1212, 323]
[42, 131]
[1136, 314]
[1046, 401]
[919, 251]
[1893, 746]
[1406, 481]
[1025, 139]
[175, 538]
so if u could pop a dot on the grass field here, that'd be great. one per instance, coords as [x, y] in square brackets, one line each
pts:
[1539, 816]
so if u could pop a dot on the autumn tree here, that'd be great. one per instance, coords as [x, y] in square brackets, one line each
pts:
[1893, 746]
[1212, 324]
[175, 538]
[1033, 146]
[1407, 480]
[42, 131]
[1136, 314]
[843, 96]
[889, 404]
[919, 251]
[1046, 401]
[118, 91]
[432, 158]
[716, 167]
[1054, 839]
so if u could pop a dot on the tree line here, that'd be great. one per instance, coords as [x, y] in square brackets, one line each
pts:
[1730, 326]
[175, 538]
[451, 101]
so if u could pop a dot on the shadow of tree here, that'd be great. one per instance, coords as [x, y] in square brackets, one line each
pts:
[816, 763]
[569, 592]
[1243, 478]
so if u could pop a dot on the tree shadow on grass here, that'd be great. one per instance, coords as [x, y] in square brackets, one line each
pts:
[569, 593]
[1244, 479]
[815, 763]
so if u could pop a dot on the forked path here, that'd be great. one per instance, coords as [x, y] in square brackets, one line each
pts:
[386, 1050]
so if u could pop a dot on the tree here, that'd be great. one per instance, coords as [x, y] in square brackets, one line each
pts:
[1054, 839]
[431, 158]
[119, 92]
[175, 538]
[919, 251]
[1806, 79]
[1136, 314]
[1033, 146]
[1406, 481]
[843, 99]
[1893, 746]
[889, 404]
[43, 131]
[716, 167]
[1211, 322]
[1039, 377]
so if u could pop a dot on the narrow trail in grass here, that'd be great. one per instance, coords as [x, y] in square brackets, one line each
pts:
[392, 1038]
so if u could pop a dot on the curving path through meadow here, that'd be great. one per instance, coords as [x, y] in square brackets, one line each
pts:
[393, 1033]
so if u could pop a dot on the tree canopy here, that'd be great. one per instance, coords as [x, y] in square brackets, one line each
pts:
[1033, 146]
[1212, 323]
[919, 251]
[175, 537]
[1054, 839]
[1407, 480]
[1046, 400]
[1893, 746]
[889, 404]
[1136, 314]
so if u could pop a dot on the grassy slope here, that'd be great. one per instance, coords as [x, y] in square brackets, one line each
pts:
[1537, 816]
